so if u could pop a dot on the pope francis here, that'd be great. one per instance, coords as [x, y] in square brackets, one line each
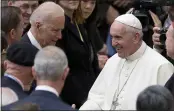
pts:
[134, 67]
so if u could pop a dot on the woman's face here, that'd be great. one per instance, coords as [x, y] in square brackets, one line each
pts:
[69, 4]
[87, 7]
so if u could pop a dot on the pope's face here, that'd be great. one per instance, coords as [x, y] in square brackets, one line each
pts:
[122, 40]
[170, 42]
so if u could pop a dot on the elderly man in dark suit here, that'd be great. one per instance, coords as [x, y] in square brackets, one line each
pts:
[50, 70]
[46, 21]
[18, 75]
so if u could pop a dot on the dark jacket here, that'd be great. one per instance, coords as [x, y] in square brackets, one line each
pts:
[25, 38]
[170, 84]
[12, 84]
[44, 99]
[83, 68]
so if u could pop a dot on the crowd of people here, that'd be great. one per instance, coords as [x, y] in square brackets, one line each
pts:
[85, 55]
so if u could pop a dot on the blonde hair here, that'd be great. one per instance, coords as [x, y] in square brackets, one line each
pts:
[78, 16]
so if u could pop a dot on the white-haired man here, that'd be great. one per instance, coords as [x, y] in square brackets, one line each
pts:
[50, 71]
[46, 21]
[134, 67]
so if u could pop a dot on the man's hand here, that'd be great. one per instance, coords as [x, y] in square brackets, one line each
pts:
[102, 59]
[156, 39]
[156, 36]
[73, 106]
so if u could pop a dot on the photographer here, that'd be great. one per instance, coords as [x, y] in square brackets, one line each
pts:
[158, 46]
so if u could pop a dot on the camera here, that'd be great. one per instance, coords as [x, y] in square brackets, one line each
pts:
[162, 37]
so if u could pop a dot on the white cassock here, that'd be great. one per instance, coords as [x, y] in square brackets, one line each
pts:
[124, 79]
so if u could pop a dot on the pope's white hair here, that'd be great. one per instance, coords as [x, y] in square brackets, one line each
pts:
[46, 11]
[50, 62]
[134, 30]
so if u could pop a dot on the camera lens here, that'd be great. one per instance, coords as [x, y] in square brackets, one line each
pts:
[163, 38]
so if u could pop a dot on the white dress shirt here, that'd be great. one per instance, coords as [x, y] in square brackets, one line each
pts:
[33, 40]
[144, 68]
[47, 88]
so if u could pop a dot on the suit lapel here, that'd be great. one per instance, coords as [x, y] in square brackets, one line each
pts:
[25, 38]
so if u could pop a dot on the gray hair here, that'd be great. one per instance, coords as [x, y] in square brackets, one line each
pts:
[46, 11]
[50, 62]
[134, 30]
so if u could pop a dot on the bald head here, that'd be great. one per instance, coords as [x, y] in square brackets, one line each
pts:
[46, 12]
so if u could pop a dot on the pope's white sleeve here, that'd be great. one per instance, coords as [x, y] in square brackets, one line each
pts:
[96, 95]
[164, 73]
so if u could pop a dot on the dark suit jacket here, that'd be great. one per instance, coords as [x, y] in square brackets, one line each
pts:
[8, 82]
[44, 99]
[83, 70]
[25, 38]
[170, 84]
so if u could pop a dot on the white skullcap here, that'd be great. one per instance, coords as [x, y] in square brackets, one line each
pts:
[130, 20]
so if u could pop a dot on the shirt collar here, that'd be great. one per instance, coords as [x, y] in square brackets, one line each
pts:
[33, 40]
[15, 79]
[138, 53]
[167, 22]
[47, 88]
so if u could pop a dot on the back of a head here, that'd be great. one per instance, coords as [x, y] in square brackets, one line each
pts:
[155, 98]
[10, 18]
[50, 63]
[8, 96]
[45, 12]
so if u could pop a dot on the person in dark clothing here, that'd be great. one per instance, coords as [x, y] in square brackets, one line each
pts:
[81, 56]
[18, 76]
[170, 53]
[155, 98]
[88, 9]
[50, 69]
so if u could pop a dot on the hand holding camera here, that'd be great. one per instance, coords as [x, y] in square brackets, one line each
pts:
[159, 38]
